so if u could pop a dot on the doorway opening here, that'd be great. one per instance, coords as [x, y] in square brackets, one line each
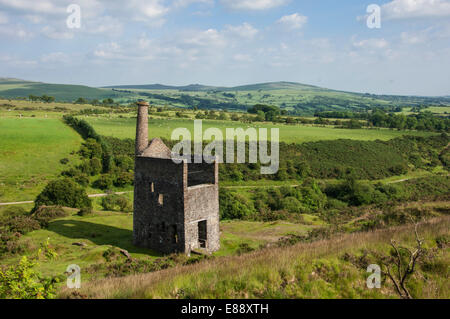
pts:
[202, 234]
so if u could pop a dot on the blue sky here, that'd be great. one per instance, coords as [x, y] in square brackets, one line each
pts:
[230, 42]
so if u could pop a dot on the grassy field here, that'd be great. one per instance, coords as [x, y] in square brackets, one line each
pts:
[315, 270]
[62, 92]
[103, 230]
[30, 151]
[126, 128]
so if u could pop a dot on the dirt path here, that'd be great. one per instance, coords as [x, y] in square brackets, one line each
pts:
[91, 196]
[258, 186]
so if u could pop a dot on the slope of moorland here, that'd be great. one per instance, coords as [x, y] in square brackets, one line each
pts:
[332, 268]
[297, 98]
[30, 154]
[15, 88]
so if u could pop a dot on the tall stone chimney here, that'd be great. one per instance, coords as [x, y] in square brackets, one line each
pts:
[142, 128]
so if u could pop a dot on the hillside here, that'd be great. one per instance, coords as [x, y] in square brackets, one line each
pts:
[16, 88]
[333, 268]
[296, 98]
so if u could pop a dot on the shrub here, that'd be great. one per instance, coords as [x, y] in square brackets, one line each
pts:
[23, 282]
[124, 179]
[85, 211]
[11, 212]
[234, 206]
[82, 180]
[22, 224]
[71, 172]
[104, 182]
[124, 162]
[292, 204]
[116, 203]
[44, 214]
[9, 243]
[63, 192]
[64, 161]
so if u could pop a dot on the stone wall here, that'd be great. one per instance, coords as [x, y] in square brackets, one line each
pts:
[167, 212]
[158, 221]
[202, 203]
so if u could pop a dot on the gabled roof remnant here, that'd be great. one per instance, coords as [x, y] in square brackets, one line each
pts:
[156, 148]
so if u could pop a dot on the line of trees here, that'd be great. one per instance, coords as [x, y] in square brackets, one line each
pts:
[423, 121]
[43, 98]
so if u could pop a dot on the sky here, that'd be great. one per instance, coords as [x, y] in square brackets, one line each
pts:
[230, 42]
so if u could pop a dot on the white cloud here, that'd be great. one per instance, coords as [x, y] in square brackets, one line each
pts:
[244, 30]
[144, 10]
[243, 57]
[185, 3]
[253, 4]
[405, 9]
[293, 21]
[55, 57]
[103, 25]
[42, 6]
[3, 18]
[15, 31]
[207, 38]
[371, 44]
[53, 33]
[413, 38]
[16, 62]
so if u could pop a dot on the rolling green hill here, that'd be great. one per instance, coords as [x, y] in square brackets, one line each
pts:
[297, 98]
[15, 88]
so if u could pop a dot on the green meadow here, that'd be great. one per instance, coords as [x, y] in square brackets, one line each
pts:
[30, 151]
[125, 127]
[104, 230]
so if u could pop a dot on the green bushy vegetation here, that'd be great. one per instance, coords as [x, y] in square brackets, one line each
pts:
[334, 268]
[63, 192]
[115, 202]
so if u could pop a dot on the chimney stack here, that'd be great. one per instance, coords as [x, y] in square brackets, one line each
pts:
[142, 128]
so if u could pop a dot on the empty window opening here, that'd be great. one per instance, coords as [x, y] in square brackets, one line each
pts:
[161, 199]
[202, 234]
[174, 234]
[200, 174]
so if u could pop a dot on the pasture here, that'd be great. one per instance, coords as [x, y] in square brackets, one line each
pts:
[125, 127]
[104, 230]
[30, 151]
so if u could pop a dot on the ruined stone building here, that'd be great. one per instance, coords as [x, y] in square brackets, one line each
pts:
[176, 206]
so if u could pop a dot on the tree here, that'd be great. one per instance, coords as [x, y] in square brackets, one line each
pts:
[401, 264]
[63, 192]
[81, 100]
[108, 101]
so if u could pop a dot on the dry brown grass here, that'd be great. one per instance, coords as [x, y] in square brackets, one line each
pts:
[163, 284]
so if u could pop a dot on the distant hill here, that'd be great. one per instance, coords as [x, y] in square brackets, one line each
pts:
[16, 88]
[199, 88]
[161, 87]
[297, 98]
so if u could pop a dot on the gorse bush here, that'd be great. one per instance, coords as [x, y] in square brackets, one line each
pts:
[85, 211]
[44, 214]
[22, 281]
[272, 203]
[104, 182]
[115, 202]
[22, 224]
[63, 192]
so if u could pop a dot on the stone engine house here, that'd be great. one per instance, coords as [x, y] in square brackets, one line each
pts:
[176, 206]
